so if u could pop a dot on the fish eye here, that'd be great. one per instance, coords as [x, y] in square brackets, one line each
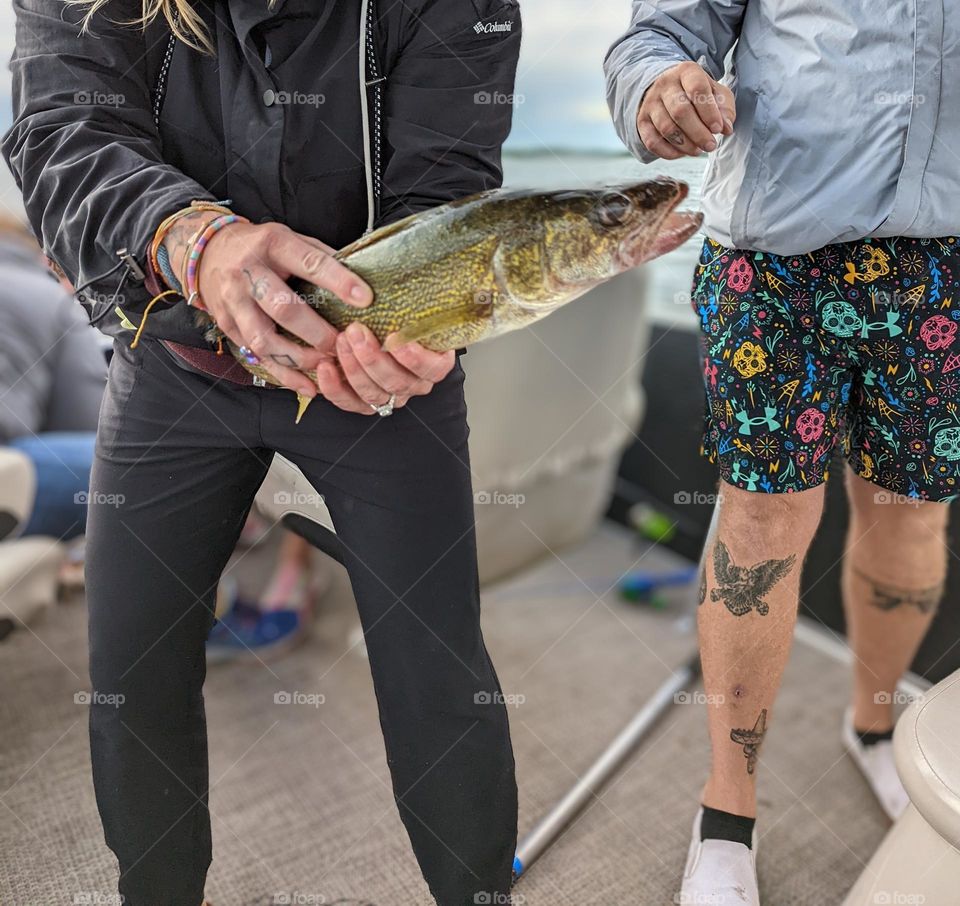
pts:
[612, 209]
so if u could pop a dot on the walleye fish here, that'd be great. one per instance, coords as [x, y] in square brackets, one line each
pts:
[494, 262]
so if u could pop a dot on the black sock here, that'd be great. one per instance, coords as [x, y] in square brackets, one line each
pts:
[717, 825]
[871, 739]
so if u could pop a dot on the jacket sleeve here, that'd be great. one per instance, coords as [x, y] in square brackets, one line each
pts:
[83, 147]
[662, 34]
[448, 102]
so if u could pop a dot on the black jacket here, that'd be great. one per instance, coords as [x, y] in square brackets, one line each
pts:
[271, 122]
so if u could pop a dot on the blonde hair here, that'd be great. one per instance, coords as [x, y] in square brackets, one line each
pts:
[183, 19]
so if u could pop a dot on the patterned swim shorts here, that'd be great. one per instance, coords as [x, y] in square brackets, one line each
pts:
[855, 343]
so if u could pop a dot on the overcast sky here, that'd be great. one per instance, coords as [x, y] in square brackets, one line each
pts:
[560, 75]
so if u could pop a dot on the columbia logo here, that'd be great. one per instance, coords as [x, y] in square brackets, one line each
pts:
[489, 28]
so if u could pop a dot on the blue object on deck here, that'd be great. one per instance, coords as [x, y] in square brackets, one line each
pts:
[640, 585]
[517, 867]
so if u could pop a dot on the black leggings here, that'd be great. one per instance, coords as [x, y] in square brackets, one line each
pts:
[179, 460]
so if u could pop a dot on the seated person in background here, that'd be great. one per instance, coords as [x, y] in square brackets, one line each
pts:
[52, 375]
[825, 293]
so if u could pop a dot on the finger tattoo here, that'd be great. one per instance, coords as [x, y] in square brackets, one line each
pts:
[258, 285]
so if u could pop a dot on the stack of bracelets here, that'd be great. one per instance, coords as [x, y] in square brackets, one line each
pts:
[186, 283]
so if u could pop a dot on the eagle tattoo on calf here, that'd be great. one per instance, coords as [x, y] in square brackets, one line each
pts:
[742, 588]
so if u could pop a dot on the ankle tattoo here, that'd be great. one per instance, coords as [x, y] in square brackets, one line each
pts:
[742, 588]
[751, 739]
[892, 597]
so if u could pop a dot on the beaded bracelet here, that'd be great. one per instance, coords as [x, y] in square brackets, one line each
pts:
[159, 257]
[196, 250]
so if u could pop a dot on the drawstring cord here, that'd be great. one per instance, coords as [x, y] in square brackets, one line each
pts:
[146, 311]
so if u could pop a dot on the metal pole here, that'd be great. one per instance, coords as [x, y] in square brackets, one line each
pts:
[536, 843]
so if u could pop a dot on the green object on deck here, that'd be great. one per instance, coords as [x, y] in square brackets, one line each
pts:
[652, 524]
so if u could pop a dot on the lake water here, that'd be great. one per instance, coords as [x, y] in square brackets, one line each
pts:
[669, 277]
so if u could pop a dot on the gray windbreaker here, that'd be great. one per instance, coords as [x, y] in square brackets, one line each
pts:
[848, 114]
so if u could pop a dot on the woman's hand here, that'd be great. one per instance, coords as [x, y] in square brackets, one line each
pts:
[368, 376]
[242, 282]
[682, 111]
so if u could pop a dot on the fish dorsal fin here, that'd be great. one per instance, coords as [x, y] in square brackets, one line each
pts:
[378, 234]
[442, 322]
[420, 217]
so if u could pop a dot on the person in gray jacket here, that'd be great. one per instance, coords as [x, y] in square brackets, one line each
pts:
[825, 292]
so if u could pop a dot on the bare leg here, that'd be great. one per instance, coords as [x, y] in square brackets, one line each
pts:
[893, 578]
[752, 562]
[287, 587]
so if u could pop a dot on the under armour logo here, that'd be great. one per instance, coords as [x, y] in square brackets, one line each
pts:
[747, 423]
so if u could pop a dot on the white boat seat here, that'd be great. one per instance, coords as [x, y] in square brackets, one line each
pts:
[18, 486]
[919, 859]
[927, 751]
[286, 496]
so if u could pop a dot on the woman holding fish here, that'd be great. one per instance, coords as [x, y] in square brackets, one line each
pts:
[180, 158]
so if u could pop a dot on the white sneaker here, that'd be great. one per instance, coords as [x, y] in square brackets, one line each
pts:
[877, 765]
[719, 872]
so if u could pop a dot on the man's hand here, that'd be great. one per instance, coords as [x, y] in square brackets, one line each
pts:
[682, 111]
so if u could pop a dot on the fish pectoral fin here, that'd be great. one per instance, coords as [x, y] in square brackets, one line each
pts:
[438, 325]
[522, 270]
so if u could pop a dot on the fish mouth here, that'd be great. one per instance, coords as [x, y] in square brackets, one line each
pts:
[675, 228]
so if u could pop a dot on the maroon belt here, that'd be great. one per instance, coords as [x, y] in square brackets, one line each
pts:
[223, 367]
